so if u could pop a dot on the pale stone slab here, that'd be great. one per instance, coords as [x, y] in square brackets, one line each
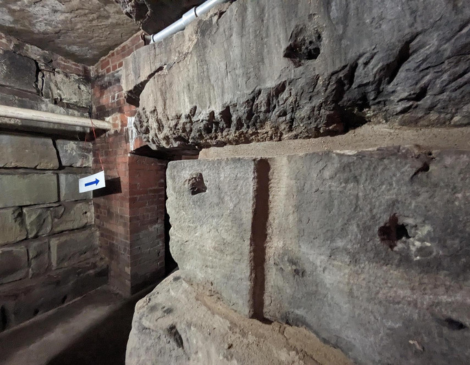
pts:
[73, 247]
[211, 204]
[75, 153]
[69, 187]
[12, 228]
[27, 189]
[27, 152]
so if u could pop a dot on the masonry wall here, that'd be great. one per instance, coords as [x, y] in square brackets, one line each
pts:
[130, 214]
[35, 79]
[49, 246]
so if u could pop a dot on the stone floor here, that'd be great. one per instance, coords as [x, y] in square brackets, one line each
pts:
[92, 330]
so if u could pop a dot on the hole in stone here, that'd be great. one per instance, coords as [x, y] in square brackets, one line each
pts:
[424, 168]
[175, 335]
[392, 232]
[64, 299]
[453, 324]
[36, 312]
[3, 318]
[196, 184]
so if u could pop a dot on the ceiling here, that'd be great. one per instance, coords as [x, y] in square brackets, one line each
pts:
[80, 30]
[86, 30]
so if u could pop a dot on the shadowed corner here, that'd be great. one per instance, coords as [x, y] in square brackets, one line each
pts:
[113, 186]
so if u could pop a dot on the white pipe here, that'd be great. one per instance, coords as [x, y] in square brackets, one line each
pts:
[187, 18]
[28, 114]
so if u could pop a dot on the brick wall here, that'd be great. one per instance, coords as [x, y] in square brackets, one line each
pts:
[131, 215]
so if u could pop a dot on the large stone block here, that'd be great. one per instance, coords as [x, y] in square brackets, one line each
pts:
[51, 219]
[17, 71]
[370, 250]
[67, 88]
[177, 325]
[13, 264]
[28, 152]
[27, 189]
[73, 247]
[12, 227]
[75, 153]
[38, 252]
[211, 207]
[309, 68]
[69, 187]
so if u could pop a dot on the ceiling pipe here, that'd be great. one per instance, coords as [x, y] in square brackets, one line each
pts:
[187, 18]
[38, 116]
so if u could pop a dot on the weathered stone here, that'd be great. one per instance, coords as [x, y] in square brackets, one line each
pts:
[17, 71]
[13, 264]
[69, 187]
[51, 219]
[67, 88]
[27, 189]
[38, 251]
[12, 226]
[370, 251]
[29, 152]
[73, 247]
[74, 153]
[24, 300]
[218, 256]
[86, 32]
[312, 68]
[177, 325]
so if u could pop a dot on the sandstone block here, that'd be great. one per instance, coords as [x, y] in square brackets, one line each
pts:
[217, 196]
[38, 252]
[17, 71]
[369, 250]
[67, 88]
[12, 228]
[313, 69]
[177, 325]
[51, 219]
[69, 187]
[28, 152]
[74, 153]
[73, 247]
[13, 264]
[27, 189]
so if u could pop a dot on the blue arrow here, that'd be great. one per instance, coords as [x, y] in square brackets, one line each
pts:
[96, 182]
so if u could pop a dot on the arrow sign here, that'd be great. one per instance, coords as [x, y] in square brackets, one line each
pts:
[93, 182]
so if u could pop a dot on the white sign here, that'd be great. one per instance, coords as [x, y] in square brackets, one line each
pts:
[92, 182]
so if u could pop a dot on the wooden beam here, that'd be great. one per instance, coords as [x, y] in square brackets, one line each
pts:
[28, 114]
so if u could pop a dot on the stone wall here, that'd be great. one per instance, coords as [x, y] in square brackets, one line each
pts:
[35, 79]
[49, 247]
[358, 236]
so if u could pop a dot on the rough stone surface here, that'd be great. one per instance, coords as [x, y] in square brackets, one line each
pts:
[80, 31]
[17, 71]
[303, 69]
[27, 189]
[51, 219]
[67, 88]
[73, 247]
[28, 152]
[177, 325]
[68, 184]
[75, 153]
[154, 15]
[12, 226]
[370, 251]
[13, 264]
[24, 300]
[38, 252]
[218, 195]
